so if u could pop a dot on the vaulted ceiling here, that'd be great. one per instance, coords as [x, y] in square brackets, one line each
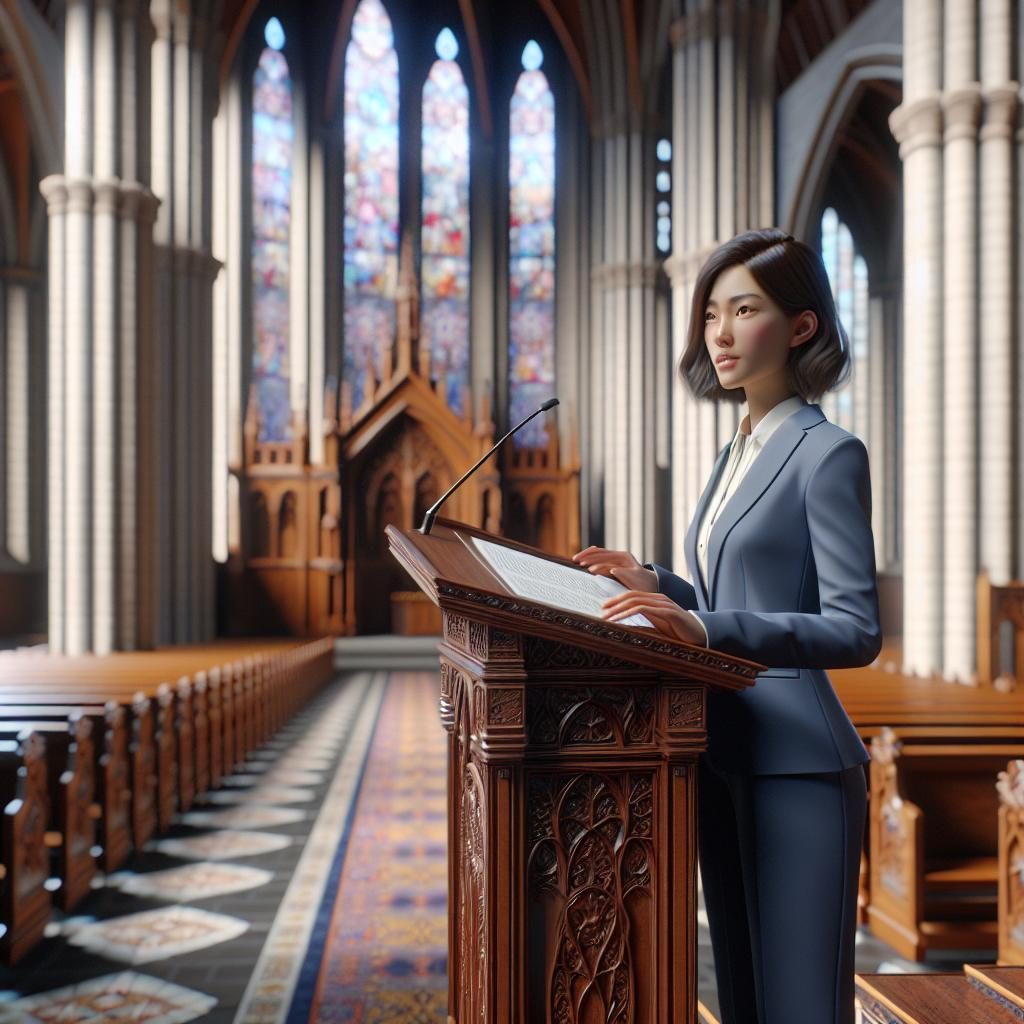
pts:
[806, 29]
[616, 49]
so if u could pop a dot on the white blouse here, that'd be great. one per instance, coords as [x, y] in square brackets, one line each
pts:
[745, 447]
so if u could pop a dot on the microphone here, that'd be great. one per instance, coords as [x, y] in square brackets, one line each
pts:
[431, 513]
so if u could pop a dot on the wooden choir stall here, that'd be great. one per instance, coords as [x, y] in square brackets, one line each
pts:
[572, 775]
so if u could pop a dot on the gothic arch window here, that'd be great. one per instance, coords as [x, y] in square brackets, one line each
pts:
[444, 268]
[848, 275]
[371, 196]
[531, 356]
[259, 525]
[288, 527]
[545, 533]
[426, 495]
[272, 144]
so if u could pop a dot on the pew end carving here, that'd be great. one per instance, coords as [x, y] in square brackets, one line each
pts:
[934, 859]
[1010, 786]
[995, 605]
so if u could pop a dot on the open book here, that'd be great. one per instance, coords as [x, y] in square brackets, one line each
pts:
[561, 586]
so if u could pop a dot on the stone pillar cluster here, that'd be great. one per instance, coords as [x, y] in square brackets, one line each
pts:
[622, 377]
[181, 117]
[955, 131]
[130, 309]
[101, 213]
[624, 283]
[19, 298]
[722, 183]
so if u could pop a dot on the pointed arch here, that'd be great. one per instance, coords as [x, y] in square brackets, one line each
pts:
[444, 238]
[531, 246]
[371, 196]
[35, 55]
[848, 274]
[273, 133]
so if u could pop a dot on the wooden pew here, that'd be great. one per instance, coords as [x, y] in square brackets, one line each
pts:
[880, 696]
[25, 903]
[995, 605]
[111, 768]
[934, 841]
[154, 733]
[243, 701]
[73, 812]
[1010, 786]
[169, 741]
[978, 994]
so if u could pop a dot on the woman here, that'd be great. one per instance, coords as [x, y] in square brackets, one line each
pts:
[782, 556]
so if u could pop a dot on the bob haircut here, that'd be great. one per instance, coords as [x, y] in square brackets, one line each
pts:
[793, 276]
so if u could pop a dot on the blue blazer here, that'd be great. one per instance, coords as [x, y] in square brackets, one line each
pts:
[791, 584]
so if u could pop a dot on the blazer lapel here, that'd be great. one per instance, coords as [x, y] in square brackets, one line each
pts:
[765, 468]
[691, 534]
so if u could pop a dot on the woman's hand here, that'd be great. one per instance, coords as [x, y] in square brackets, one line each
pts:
[665, 615]
[619, 565]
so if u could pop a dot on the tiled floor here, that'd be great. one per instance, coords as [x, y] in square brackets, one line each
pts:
[183, 935]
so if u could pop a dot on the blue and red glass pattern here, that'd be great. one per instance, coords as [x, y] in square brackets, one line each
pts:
[531, 248]
[272, 136]
[371, 195]
[444, 270]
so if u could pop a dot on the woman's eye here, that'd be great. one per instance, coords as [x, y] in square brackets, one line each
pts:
[740, 310]
[707, 316]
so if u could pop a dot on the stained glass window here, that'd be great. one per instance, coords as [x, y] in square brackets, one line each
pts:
[371, 194]
[531, 246]
[444, 270]
[272, 134]
[848, 275]
[663, 223]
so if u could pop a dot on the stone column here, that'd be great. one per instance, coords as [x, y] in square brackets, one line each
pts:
[721, 185]
[957, 440]
[18, 539]
[917, 126]
[228, 235]
[1000, 105]
[1019, 307]
[317, 270]
[879, 435]
[625, 282]
[956, 448]
[182, 155]
[96, 331]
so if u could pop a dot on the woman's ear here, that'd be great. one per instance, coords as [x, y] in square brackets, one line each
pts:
[805, 326]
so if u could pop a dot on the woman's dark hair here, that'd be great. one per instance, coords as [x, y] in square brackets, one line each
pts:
[794, 278]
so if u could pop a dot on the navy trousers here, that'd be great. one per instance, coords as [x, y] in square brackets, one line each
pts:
[779, 861]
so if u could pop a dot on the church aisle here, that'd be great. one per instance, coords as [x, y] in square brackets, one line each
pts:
[384, 956]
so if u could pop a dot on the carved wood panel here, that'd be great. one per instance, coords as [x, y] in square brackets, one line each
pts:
[474, 959]
[552, 823]
[889, 846]
[30, 855]
[547, 655]
[591, 908]
[685, 707]
[1010, 784]
[590, 715]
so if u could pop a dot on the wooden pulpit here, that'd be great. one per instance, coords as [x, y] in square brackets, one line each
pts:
[572, 775]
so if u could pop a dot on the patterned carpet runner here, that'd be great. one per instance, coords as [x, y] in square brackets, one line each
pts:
[384, 958]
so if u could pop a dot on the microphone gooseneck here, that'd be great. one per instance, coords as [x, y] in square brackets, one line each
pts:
[431, 513]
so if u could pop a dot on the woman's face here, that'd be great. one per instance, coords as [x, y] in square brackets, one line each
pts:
[748, 337]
